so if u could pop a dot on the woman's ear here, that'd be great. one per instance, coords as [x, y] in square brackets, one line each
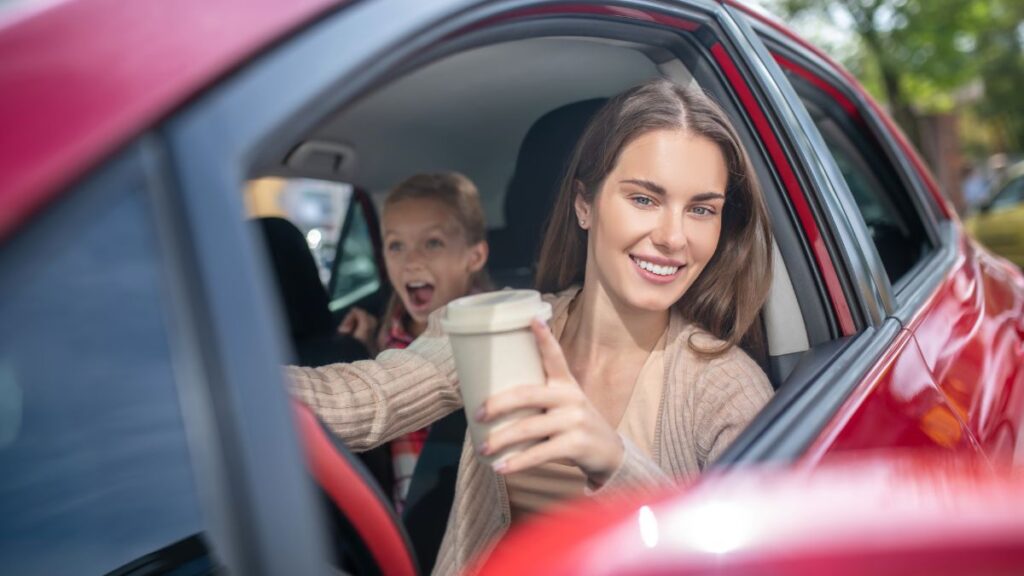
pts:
[582, 207]
[478, 256]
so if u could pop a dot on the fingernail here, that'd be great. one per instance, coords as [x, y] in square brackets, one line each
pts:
[483, 449]
[541, 319]
[500, 467]
[480, 412]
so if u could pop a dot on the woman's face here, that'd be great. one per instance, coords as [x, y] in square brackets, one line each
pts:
[655, 222]
[428, 259]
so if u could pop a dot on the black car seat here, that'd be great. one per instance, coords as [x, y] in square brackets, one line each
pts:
[312, 327]
[543, 156]
[531, 192]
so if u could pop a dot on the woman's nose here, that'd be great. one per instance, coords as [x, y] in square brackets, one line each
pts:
[669, 234]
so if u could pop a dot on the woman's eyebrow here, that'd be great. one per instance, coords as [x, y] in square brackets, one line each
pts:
[647, 184]
[656, 189]
[705, 196]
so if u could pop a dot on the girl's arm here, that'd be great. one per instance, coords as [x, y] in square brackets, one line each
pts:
[369, 402]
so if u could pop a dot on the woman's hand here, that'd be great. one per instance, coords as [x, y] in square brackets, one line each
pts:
[362, 326]
[568, 429]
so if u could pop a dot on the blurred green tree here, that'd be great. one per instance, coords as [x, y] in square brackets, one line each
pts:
[927, 56]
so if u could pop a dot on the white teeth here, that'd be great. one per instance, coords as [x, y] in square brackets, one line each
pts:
[656, 269]
[416, 284]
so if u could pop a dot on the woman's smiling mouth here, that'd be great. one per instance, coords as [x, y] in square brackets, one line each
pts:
[658, 271]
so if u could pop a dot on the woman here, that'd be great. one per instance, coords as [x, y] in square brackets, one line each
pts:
[655, 262]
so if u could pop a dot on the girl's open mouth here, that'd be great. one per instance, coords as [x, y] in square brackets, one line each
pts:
[420, 294]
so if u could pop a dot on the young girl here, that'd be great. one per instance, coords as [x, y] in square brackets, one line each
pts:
[435, 250]
[655, 262]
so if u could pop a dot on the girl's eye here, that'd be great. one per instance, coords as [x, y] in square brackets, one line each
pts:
[435, 243]
[642, 200]
[394, 246]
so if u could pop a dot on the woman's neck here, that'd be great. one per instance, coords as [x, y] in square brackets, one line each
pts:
[598, 326]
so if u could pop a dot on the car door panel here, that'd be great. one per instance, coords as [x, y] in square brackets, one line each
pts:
[900, 405]
[971, 341]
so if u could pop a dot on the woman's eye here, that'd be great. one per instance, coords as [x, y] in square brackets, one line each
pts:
[702, 211]
[642, 201]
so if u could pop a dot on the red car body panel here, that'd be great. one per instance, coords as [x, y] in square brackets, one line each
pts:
[954, 378]
[900, 514]
[971, 337]
[899, 406]
[119, 66]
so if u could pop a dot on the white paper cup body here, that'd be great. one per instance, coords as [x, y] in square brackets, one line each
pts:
[491, 357]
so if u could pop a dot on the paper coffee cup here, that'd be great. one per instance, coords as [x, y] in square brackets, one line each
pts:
[494, 351]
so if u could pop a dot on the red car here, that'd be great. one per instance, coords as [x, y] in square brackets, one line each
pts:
[144, 427]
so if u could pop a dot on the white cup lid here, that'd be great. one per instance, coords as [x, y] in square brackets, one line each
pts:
[498, 311]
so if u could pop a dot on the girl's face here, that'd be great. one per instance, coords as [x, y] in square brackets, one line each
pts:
[428, 259]
[655, 221]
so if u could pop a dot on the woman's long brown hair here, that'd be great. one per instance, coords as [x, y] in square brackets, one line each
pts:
[728, 295]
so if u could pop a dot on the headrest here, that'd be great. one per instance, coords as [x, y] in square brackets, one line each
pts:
[304, 298]
[543, 158]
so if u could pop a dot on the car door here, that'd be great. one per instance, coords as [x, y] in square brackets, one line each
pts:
[120, 437]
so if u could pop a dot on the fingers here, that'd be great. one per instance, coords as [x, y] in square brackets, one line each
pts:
[348, 324]
[529, 428]
[556, 449]
[366, 325]
[520, 397]
[551, 355]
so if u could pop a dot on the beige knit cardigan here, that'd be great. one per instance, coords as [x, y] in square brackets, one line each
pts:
[704, 405]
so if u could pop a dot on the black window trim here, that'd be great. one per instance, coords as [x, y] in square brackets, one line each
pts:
[910, 291]
[912, 181]
[854, 254]
[827, 376]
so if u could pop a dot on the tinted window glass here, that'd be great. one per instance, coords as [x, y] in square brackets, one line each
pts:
[96, 472]
[882, 198]
[356, 274]
[1011, 195]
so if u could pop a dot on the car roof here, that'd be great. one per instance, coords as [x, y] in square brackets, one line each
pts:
[80, 78]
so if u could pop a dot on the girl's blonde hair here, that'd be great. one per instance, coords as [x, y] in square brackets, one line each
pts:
[457, 193]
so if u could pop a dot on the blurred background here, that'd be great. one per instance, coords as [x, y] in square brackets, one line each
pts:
[951, 73]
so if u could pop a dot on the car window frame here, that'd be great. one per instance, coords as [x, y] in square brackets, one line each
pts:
[267, 121]
[791, 422]
[908, 294]
[258, 498]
